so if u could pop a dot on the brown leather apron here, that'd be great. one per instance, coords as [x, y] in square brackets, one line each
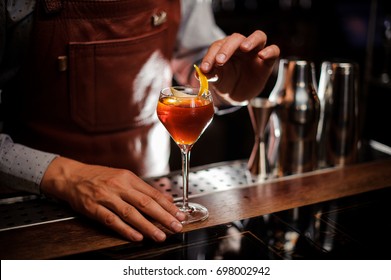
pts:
[91, 82]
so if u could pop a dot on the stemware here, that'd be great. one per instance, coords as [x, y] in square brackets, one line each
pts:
[186, 112]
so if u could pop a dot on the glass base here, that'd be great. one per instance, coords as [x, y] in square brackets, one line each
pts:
[195, 212]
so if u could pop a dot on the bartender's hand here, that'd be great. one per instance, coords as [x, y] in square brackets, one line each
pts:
[115, 197]
[242, 64]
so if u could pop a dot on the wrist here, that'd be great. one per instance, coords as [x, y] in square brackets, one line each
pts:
[58, 177]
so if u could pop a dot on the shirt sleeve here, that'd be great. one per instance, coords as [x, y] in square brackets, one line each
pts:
[198, 30]
[21, 167]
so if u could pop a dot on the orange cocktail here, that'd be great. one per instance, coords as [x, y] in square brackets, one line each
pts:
[186, 112]
[185, 118]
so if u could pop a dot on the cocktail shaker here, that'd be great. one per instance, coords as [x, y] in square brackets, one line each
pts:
[339, 125]
[274, 128]
[298, 111]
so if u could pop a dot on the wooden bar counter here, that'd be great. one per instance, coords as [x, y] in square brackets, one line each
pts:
[255, 213]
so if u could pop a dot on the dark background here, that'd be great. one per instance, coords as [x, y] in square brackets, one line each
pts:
[320, 30]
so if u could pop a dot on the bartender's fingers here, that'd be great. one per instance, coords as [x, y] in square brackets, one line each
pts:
[157, 196]
[218, 55]
[269, 55]
[114, 222]
[222, 50]
[256, 41]
[132, 209]
[163, 212]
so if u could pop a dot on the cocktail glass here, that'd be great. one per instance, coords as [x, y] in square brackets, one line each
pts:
[186, 112]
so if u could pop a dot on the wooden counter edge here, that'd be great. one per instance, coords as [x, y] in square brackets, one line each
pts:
[61, 239]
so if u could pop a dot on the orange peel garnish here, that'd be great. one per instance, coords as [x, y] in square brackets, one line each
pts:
[203, 81]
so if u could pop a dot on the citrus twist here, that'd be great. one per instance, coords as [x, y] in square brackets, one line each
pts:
[203, 81]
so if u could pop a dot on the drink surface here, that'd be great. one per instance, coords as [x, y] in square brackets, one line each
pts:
[185, 118]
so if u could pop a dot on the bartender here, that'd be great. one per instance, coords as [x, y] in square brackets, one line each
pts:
[79, 84]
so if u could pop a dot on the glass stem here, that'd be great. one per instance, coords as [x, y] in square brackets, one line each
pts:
[185, 152]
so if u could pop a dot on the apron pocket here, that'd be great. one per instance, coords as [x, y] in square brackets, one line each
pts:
[102, 81]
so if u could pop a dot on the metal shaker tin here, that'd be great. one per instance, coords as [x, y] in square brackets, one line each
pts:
[339, 129]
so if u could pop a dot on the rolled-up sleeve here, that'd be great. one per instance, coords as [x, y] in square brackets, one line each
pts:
[21, 167]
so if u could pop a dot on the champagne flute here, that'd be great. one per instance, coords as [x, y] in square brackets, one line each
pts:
[186, 112]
